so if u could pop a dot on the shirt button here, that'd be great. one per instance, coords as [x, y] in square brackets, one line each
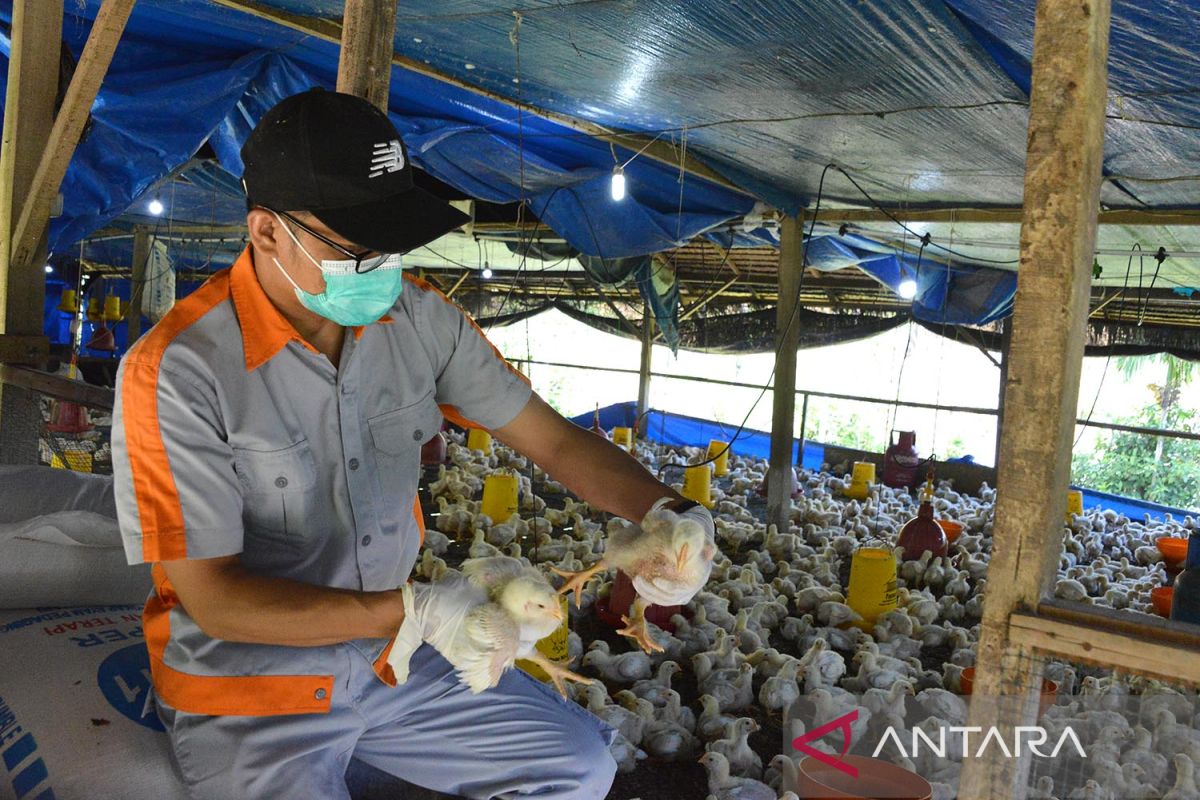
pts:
[418, 435]
[319, 694]
[353, 463]
[281, 482]
[366, 540]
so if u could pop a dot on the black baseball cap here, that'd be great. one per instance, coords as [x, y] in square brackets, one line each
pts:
[340, 158]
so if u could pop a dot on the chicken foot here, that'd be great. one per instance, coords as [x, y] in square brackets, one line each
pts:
[578, 580]
[558, 672]
[635, 627]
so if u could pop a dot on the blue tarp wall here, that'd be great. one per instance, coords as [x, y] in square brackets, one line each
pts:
[684, 431]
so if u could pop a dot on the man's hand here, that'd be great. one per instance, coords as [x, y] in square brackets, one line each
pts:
[433, 613]
[693, 545]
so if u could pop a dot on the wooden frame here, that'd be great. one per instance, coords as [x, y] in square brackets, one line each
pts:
[365, 60]
[787, 341]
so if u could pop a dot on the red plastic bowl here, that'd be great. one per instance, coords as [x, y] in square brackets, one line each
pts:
[952, 529]
[877, 780]
[1173, 548]
[1049, 689]
[1161, 598]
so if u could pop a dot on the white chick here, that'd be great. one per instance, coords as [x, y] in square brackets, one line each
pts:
[513, 608]
[619, 668]
[667, 547]
[743, 761]
[723, 786]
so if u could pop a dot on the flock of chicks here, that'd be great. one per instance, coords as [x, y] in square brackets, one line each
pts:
[767, 643]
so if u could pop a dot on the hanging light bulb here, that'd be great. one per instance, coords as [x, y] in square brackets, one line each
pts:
[487, 273]
[49, 269]
[156, 207]
[618, 183]
[907, 289]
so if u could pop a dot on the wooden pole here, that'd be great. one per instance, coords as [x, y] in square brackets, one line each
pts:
[1005, 348]
[1065, 149]
[137, 274]
[787, 341]
[365, 63]
[68, 126]
[28, 118]
[644, 373]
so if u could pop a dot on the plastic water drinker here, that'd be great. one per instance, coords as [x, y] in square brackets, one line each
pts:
[872, 588]
[623, 437]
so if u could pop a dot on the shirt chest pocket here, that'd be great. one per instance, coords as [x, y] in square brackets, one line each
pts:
[279, 490]
[397, 437]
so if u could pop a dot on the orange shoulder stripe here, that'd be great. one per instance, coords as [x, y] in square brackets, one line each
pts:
[159, 510]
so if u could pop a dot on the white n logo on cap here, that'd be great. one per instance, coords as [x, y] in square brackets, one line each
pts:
[388, 157]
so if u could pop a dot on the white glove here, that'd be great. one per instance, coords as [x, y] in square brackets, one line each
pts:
[434, 613]
[665, 592]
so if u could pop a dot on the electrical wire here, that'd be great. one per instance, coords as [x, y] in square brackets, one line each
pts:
[893, 218]
[1083, 428]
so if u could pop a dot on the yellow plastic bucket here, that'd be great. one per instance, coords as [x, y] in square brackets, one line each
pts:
[95, 311]
[623, 437]
[553, 647]
[872, 584]
[479, 439]
[500, 491]
[861, 479]
[697, 484]
[719, 452]
[1074, 503]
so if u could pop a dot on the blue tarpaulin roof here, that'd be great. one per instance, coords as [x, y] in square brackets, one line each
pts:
[925, 101]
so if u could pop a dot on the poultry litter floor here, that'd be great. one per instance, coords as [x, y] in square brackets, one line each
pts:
[1107, 560]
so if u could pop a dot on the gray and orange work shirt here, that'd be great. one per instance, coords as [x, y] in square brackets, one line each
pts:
[233, 436]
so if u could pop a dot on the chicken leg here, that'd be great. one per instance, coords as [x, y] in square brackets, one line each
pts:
[577, 580]
[635, 627]
[558, 672]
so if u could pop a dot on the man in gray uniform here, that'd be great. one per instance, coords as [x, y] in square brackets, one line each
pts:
[266, 449]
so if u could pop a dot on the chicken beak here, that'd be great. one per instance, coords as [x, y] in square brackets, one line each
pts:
[556, 611]
[681, 557]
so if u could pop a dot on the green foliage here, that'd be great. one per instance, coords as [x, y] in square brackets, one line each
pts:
[1126, 463]
[846, 430]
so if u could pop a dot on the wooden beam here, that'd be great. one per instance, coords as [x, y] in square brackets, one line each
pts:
[141, 256]
[20, 349]
[68, 126]
[1065, 147]
[787, 342]
[29, 106]
[699, 304]
[1098, 644]
[36, 47]
[660, 150]
[465, 274]
[365, 61]
[643, 403]
[57, 386]
[1005, 350]
[1002, 215]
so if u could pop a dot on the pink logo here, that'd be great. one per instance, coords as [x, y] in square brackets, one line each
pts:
[842, 723]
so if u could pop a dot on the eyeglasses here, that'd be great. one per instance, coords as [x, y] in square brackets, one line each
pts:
[363, 262]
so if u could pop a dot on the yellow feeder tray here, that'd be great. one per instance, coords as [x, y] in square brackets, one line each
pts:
[112, 308]
[479, 439]
[861, 479]
[95, 312]
[553, 647]
[77, 461]
[1074, 503]
[872, 590]
[697, 484]
[623, 437]
[69, 302]
[718, 451]
[500, 496]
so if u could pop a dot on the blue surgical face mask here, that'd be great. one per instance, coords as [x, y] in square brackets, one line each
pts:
[353, 295]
